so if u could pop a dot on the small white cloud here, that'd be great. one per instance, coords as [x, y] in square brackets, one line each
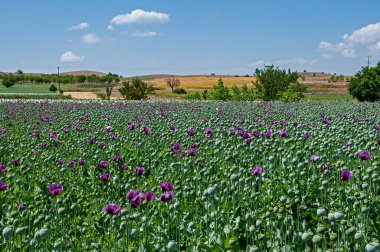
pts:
[140, 16]
[349, 53]
[110, 27]
[325, 46]
[364, 35]
[259, 63]
[91, 38]
[71, 57]
[81, 26]
[144, 34]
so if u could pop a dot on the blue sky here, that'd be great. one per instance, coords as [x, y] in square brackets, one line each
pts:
[133, 37]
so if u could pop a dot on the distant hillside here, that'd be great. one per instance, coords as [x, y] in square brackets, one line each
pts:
[86, 73]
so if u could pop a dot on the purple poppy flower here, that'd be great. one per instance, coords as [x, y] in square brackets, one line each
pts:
[233, 132]
[364, 155]
[244, 134]
[112, 209]
[284, 133]
[15, 162]
[261, 124]
[376, 127]
[192, 152]
[167, 196]
[256, 133]
[136, 201]
[346, 175]
[132, 126]
[177, 146]
[93, 140]
[81, 162]
[268, 134]
[3, 168]
[132, 194]
[109, 129]
[257, 171]
[3, 185]
[71, 164]
[324, 121]
[61, 162]
[306, 135]
[44, 144]
[21, 207]
[194, 145]
[147, 131]
[191, 132]
[117, 158]
[139, 170]
[125, 167]
[55, 189]
[66, 131]
[248, 140]
[113, 138]
[105, 177]
[209, 131]
[149, 196]
[103, 164]
[171, 127]
[314, 158]
[167, 186]
[296, 124]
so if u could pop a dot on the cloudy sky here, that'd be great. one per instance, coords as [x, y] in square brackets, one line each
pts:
[133, 37]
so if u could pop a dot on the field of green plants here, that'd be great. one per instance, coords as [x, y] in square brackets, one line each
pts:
[189, 176]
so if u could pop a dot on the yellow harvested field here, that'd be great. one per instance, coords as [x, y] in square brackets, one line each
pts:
[203, 81]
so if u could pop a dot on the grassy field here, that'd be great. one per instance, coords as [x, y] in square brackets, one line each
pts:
[329, 97]
[203, 81]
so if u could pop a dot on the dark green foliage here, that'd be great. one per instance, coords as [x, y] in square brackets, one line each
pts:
[272, 82]
[136, 90]
[53, 88]
[8, 80]
[243, 94]
[101, 96]
[179, 91]
[108, 92]
[294, 92]
[205, 94]
[193, 96]
[220, 92]
[365, 86]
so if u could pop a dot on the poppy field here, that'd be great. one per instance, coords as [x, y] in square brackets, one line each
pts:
[189, 176]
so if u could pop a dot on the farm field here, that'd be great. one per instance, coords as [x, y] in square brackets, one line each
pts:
[189, 176]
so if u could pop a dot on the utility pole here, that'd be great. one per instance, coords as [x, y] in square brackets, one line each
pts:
[59, 83]
[368, 61]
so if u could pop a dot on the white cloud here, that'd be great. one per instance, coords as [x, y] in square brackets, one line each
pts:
[365, 35]
[358, 42]
[259, 63]
[144, 34]
[140, 16]
[71, 57]
[91, 38]
[110, 27]
[81, 26]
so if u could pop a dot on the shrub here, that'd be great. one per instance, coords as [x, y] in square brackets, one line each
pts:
[365, 86]
[220, 92]
[101, 96]
[8, 81]
[136, 90]
[272, 82]
[53, 88]
[193, 96]
[179, 91]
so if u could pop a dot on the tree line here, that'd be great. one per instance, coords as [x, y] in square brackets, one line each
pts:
[9, 80]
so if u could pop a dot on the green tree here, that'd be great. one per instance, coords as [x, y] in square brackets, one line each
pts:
[294, 92]
[205, 94]
[365, 86]
[220, 92]
[53, 88]
[8, 81]
[247, 94]
[136, 90]
[272, 82]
